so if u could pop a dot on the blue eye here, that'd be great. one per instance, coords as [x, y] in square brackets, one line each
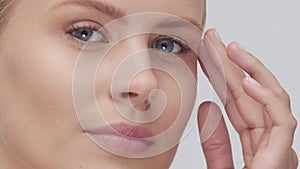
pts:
[89, 35]
[168, 45]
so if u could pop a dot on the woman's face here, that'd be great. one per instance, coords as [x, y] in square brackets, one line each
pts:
[39, 49]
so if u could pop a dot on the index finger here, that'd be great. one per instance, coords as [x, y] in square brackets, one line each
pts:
[216, 147]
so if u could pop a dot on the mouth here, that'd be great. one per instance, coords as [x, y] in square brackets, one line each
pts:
[123, 137]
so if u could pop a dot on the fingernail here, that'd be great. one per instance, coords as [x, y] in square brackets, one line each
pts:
[253, 82]
[217, 36]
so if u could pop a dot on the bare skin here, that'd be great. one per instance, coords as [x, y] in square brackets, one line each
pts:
[266, 129]
[38, 125]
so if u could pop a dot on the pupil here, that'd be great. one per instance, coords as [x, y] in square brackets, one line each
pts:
[83, 34]
[165, 45]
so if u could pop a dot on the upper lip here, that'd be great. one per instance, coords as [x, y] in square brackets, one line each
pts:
[123, 129]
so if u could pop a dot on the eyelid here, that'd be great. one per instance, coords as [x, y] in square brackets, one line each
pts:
[83, 24]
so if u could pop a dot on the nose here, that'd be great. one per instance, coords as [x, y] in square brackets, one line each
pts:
[140, 90]
[137, 79]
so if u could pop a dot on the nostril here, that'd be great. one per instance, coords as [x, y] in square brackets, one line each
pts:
[148, 106]
[128, 94]
[136, 101]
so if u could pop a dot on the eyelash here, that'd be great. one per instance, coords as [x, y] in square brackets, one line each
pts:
[82, 25]
[95, 27]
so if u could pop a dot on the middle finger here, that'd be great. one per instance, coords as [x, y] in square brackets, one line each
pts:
[250, 110]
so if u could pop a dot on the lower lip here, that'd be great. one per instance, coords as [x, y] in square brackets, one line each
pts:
[118, 142]
[122, 144]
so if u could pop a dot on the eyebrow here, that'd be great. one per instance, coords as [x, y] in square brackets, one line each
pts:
[96, 5]
[182, 22]
[117, 13]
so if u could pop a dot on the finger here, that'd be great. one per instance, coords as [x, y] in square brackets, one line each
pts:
[252, 66]
[276, 105]
[244, 112]
[217, 148]
[283, 122]
[218, 54]
[223, 72]
[214, 73]
[295, 160]
[265, 89]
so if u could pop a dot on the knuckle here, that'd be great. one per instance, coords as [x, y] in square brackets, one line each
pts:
[293, 123]
[295, 159]
[256, 61]
[281, 96]
[284, 95]
[216, 146]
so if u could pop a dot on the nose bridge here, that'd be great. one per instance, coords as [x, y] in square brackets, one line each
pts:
[143, 81]
[137, 49]
[143, 84]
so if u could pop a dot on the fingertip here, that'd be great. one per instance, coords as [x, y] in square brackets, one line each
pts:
[210, 121]
[251, 81]
[214, 136]
[235, 45]
[213, 35]
[252, 87]
[234, 50]
[209, 32]
[204, 109]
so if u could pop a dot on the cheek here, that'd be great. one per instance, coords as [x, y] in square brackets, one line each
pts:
[41, 72]
[37, 108]
[180, 101]
[181, 92]
[170, 88]
[37, 67]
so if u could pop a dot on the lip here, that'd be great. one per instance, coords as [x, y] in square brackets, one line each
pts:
[123, 137]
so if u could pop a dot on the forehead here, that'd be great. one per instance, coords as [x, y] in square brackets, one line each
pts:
[188, 8]
[194, 9]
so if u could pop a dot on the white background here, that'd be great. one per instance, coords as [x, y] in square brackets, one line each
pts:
[270, 29]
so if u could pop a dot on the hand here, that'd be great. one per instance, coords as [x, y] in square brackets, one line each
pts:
[257, 106]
